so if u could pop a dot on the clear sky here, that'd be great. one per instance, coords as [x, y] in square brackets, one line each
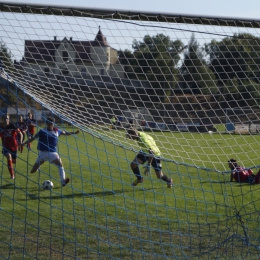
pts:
[233, 8]
[15, 29]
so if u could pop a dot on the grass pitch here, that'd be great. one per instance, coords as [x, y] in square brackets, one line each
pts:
[98, 215]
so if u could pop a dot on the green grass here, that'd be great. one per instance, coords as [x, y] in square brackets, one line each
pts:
[100, 216]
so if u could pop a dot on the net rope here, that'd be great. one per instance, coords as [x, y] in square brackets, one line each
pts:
[190, 82]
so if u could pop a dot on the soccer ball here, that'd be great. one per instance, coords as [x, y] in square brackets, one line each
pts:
[210, 132]
[47, 185]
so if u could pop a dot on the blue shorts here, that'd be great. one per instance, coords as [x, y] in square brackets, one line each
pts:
[7, 151]
[156, 162]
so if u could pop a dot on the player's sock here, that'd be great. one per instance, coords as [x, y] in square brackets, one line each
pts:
[258, 174]
[137, 173]
[257, 177]
[10, 168]
[62, 174]
[21, 148]
[166, 179]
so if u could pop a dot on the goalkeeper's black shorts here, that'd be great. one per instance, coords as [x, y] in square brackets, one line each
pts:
[156, 162]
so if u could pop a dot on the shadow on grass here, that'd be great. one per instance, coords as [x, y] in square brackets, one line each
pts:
[233, 184]
[80, 194]
[7, 186]
[12, 186]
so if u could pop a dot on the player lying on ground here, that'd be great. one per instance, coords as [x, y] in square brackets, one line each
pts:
[241, 174]
[10, 135]
[150, 154]
[47, 146]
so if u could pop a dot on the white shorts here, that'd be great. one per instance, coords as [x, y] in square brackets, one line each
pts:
[47, 156]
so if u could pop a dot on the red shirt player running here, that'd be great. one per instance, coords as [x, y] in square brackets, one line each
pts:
[10, 135]
[31, 123]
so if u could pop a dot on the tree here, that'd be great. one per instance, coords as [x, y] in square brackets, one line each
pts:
[195, 73]
[7, 90]
[239, 94]
[5, 58]
[249, 91]
[153, 59]
[128, 60]
[235, 57]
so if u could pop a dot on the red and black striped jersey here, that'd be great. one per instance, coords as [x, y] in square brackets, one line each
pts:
[9, 136]
[21, 125]
[241, 174]
[31, 123]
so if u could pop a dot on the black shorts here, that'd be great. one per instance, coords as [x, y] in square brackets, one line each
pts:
[156, 162]
[29, 134]
[7, 151]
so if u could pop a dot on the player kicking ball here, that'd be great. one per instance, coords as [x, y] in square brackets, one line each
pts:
[47, 146]
[150, 154]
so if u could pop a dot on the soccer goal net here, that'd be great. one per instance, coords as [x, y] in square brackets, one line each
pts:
[191, 83]
[242, 121]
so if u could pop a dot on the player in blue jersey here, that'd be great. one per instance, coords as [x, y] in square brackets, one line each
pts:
[150, 154]
[47, 146]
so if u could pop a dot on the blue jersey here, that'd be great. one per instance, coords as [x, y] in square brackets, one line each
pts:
[48, 140]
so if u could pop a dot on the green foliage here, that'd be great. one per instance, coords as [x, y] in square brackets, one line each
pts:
[235, 57]
[8, 91]
[5, 57]
[250, 91]
[242, 93]
[153, 59]
[127, 59]
[231, 63]
[195, 71]
[8, 97]
[227, 67]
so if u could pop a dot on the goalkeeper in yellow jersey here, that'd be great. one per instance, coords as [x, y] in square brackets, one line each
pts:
[150, 154]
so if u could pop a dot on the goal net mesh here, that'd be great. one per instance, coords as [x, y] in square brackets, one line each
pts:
[192, 83]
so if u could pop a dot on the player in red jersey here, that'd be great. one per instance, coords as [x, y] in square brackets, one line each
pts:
[10, 135]
[256, 179]
[23, 128]
[31, 123]
[238, 173]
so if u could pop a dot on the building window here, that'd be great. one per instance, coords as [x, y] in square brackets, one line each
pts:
[65, 55]
[83, 70]
[102, 72]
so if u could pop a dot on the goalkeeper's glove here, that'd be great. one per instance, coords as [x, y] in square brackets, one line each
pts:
[147, 169]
